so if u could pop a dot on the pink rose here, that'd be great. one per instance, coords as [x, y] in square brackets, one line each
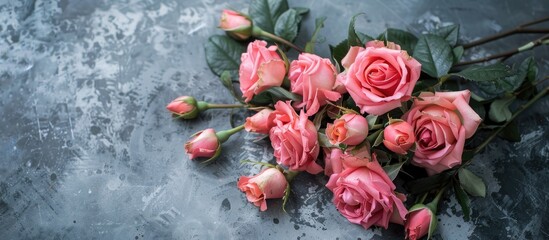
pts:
[313, 78]
[294, 139]
[333, 161]
[349, 129]
[379, 78]
[203, 144]
[259, 123]
[399, 137]
[418, 222]
[184, 107]
[260, 69]
[441, 121]
[269, 183]
[236, 25]
[366, 196]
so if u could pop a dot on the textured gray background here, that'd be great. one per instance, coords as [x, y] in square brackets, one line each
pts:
[87, 150]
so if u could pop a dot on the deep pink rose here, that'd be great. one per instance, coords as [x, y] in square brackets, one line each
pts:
[379, 77]
[417, 223]
[365, 195]
[235, 24]
[260, 69]
[399, 137]
[314, 78]
[202, 144]
[441, 121]
[259, 123]
[269, 183]
[349, 129]
[294, 139]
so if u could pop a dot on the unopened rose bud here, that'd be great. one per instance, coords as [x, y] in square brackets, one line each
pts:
[236, 25]
[399, 137]
[419, 222]
[203, 144]
[259, 123]
[350, 129]
[184, 107]
[268, 184]
[207, 143]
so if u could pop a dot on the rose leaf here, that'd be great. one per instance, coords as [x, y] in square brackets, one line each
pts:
[434, 54]
[223, 54]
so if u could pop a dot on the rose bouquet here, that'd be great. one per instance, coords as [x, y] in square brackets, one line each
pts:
[377, 107]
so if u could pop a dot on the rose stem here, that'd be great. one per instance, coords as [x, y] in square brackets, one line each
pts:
[518, 29]
[525, 47]
[223, 136]
[519, 111]
[260, 32]
[225, 106]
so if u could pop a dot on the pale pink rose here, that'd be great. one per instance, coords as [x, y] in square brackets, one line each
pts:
[417, 223]
[202, 144]
[313, 78]
[259, 122]
[379, 78]
[333, 161]
[235, 24]
[366, 196]
[268, 184]
[399, 137]
[294, 139]
[441, 121]
[349, 129]
[184, 107]
[260, 69]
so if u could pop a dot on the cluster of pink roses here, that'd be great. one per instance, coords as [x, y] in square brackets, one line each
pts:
[379, 77]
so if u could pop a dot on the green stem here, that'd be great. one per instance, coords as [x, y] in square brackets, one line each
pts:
[290, 175]
[422, 199]
[258, 32]
[210, 106]
[519, 111]
[433, 205]
[223, 136]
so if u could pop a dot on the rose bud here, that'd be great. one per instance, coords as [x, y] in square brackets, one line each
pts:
[236, 24]
[184, 107]
[259, 123]
[207, 143]
[420, 221]
[399, 137]
[269, 183]
[349, 129]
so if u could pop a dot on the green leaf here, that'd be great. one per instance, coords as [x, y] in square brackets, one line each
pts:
[228, 84]
[372, 119]
[406, 40]
[480, 73]
[372, 138]
[323, 141]
[434, 54]
[393, 170]
[223, 54]
[364, 38]
[381, 156]
[353, 39]
[458, 53]
[265, 13]
[428, 183]
[463, 201]
[500, 86]
[273, 95]
[478, 107]
[379, 139]
[319, 24]
[530, 67]
[499, 109]
[511, 132]
[338, 52]
[301, 10]
[471, 183]
[287, 25]
[449, 33]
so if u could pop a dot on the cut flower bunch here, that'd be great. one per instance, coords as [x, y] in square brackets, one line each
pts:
[379, 108]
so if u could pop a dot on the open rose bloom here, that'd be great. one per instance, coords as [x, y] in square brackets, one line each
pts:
[378, 77]
[441, 122]
[268, 184]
